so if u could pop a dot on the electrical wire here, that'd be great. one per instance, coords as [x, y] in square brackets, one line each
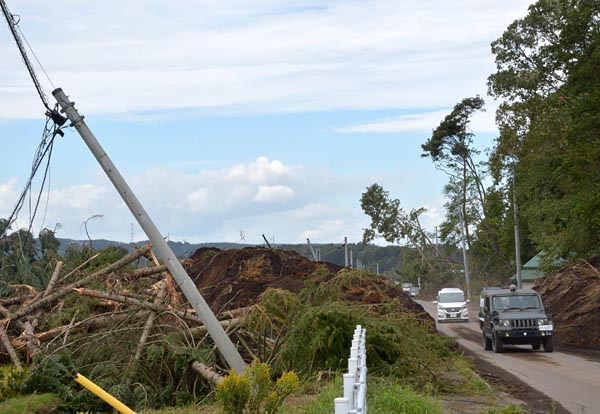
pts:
[35, 56]
[43, 151]
[54, 121]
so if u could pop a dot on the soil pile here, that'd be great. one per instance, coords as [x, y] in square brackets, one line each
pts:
[231, 279]
[573, 296]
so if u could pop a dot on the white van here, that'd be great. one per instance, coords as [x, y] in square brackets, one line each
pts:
[452, 305]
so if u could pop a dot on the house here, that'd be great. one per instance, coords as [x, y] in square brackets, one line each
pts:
[530, 272]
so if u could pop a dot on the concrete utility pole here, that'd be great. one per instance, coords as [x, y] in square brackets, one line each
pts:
[517, 236]
[346, 251]
[186, 284]
[464, 249]
[312, 251]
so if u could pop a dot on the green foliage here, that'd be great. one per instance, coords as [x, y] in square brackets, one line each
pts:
[319, 338]
[399, 344]
[164, 377]
[384, 395]
[547, 73]
[507, 409]
[11, 381]
[391, 397]
[269, 321]
[254, 392]
[391, 222]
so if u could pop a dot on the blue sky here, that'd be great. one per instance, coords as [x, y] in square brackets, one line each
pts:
[233, 119]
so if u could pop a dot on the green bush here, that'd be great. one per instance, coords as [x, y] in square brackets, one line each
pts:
[254, 392]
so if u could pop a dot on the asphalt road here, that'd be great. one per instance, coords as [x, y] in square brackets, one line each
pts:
[573, 381]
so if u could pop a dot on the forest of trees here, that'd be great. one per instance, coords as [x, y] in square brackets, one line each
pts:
[545, 160]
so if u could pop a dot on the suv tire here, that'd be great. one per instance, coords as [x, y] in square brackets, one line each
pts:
[487, 342]
[549, 344]
[497, 343]
[536, 346]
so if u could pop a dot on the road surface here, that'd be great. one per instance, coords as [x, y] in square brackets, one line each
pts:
[573, 381]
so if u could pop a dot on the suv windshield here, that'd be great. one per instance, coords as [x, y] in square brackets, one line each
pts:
[451, 297]
[516, 302]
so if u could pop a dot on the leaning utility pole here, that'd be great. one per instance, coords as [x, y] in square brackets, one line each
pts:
[186, 284]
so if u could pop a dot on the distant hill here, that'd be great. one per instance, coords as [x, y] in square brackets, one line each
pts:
[384, 258]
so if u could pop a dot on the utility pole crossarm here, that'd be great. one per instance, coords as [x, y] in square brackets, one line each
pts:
[186, 284]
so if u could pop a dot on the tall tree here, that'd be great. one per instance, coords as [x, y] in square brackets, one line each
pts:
[547, 75]
[451, 149]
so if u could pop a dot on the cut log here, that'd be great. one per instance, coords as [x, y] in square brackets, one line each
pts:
[142, 303]
[53, 278]
[207, 372]
[9, 348]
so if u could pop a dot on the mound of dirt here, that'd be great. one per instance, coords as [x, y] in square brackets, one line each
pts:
[573, 296]
[231, 279]
[234, 278]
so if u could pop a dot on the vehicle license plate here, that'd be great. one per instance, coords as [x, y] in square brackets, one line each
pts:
[545, 327]
[453, 315]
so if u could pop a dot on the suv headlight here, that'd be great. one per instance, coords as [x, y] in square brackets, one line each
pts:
[504, 323]
[542, 322]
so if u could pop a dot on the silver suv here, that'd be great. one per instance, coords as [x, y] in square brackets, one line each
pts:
[511, 316]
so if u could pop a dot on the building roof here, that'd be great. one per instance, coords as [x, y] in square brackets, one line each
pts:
[530, 271]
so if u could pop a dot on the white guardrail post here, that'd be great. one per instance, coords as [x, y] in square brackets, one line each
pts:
[354, 400]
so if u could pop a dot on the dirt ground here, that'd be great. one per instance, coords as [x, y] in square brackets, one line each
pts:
[573, 296]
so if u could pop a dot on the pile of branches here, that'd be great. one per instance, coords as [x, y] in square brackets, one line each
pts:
[126, 327]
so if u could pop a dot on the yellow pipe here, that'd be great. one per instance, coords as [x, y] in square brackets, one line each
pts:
[118, 405]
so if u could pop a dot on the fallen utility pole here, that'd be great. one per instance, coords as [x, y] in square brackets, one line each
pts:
[215, 330]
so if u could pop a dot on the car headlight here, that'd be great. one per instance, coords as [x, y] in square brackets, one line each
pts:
[542, 322]
[504, 323]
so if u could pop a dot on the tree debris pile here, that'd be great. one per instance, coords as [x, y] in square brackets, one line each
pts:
[120, 320]
[573, 296]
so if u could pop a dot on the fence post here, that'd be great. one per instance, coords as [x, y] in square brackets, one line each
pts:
[354, 400]
[341, 405]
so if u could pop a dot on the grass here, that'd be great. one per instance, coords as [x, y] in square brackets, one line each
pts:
[31, 404]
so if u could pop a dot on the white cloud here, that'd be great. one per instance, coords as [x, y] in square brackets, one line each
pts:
[256, 57]
[208, 205]
[422, 122]
[8, 195]
[326, 230]
[282, 201]
[273, 194]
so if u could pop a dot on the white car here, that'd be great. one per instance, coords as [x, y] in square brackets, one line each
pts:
[452, 305]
